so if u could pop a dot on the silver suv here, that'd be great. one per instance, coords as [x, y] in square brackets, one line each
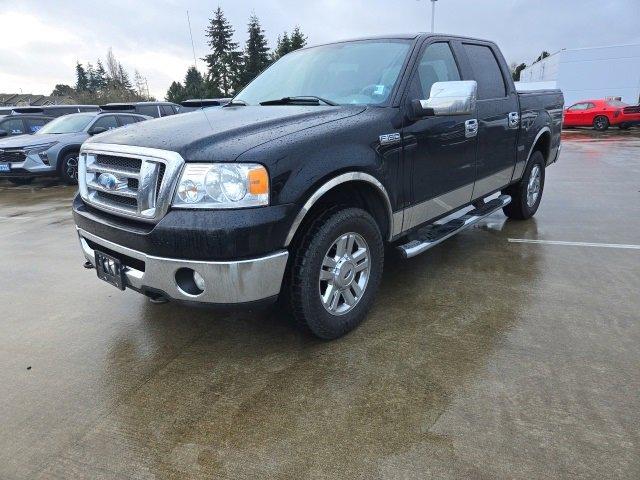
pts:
[53, 150]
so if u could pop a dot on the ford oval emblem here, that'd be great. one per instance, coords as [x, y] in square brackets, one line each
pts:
[108, 181]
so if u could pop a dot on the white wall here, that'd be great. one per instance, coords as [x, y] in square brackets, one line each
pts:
[591, 73]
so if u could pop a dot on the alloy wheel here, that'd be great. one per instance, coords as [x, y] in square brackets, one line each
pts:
[344, 273]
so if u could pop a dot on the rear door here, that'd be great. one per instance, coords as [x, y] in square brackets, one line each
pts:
[13, 126]
[498, 116]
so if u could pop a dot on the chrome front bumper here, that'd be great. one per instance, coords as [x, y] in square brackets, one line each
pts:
[230, 282]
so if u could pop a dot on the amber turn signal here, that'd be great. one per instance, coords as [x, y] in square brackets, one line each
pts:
[258, 181]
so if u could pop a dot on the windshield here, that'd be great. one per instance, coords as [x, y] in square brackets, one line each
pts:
[359, 73]
[74, 123]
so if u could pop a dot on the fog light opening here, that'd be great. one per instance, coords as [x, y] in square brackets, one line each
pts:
[190, 282]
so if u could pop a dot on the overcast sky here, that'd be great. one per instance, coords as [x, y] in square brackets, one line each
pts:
[42, 40]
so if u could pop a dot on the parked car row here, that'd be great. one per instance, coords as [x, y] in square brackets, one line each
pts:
[43, 145]
[27, 120]
[601, 114]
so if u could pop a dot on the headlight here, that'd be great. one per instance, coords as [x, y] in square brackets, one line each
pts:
[222, 185]
[38, 148]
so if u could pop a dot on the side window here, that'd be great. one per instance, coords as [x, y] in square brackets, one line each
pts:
[167, 110]
[590, 106]
[486, 71]
[436, 65]
[13, 126]
[126, 119]
[578, 106]
[150, 110]
[108, 122]
[35, 124]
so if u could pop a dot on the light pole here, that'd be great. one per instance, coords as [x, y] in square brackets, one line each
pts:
[433, 14]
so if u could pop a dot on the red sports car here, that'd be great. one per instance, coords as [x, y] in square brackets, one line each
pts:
[600, 114]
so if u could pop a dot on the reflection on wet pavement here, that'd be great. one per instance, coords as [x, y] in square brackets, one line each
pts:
[480, 359]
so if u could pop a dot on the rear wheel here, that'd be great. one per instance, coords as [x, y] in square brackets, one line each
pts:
[68, 168]
[527, 193]
[600, 123]
[336, 271]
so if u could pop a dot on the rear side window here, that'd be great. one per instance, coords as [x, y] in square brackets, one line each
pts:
[150, 110]
[13, 126]
[436, 65]
[578, 106]
[108, 122]
[486, 71]
[167, 110]
[35, 124]
[126, 119]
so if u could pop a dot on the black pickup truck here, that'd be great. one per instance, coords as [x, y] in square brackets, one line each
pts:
[292, 190]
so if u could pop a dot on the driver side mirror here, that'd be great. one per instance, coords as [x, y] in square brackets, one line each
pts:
[447, 98]
[3, 133]
[97, 130]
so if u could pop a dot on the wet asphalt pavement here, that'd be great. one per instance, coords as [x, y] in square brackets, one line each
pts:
[482, 358]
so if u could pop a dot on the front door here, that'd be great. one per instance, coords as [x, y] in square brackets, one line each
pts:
[439, 153]
[498, 119]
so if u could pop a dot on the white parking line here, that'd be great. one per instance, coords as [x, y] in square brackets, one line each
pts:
[575, 244]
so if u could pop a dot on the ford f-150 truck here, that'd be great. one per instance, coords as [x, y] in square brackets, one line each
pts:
[292, 190]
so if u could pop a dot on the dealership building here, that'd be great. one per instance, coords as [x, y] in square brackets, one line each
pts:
[590, 73]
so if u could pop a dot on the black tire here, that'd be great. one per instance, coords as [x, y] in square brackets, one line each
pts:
[519, 208]
[21, 180]
[600, 123]
[68, 168]
[624, 126]
[304, 284]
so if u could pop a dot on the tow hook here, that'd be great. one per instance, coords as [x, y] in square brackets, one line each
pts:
[88, 265]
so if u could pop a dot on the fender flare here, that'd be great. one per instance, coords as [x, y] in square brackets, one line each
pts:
[335, 181]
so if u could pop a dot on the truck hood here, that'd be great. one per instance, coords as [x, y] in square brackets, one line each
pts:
[223, 134]
[21, 141]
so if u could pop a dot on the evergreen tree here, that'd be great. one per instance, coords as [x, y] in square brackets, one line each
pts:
[100, 76]
[516, 70]
[175, 93]
[283, 46]
[224, 61]
[193, 84]
[91, 78]
[298, 39]
[82, 81]
[256, 51]
[123, 78]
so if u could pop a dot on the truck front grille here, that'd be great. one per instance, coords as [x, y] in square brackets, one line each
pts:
[128, 182]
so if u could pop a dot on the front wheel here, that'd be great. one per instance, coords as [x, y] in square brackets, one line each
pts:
[336, 272]
[527, 193]
[68, 168]
[600, 123]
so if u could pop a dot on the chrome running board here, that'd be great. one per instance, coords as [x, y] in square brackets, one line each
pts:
[431, 235]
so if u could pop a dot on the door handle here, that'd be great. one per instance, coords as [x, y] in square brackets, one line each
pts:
[471, 128]
[514, 119]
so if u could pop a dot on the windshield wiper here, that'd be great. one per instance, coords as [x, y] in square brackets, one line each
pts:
[304, 99]
[235, 103]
